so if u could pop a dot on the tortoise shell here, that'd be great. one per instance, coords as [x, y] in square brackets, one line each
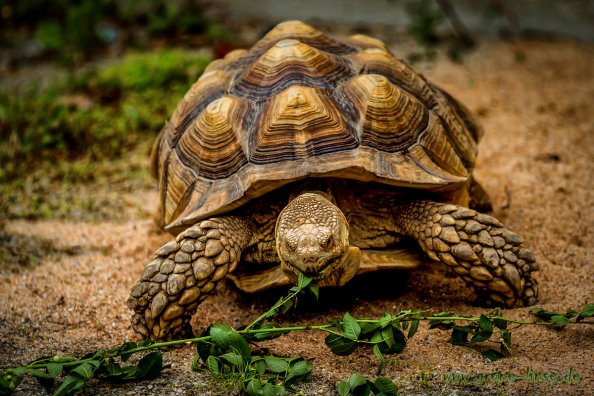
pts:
[301, 104]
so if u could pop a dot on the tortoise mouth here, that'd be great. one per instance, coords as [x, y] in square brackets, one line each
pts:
[316, 270]
[335, 272]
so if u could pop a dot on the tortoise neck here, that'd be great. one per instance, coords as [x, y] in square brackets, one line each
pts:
[318, 187]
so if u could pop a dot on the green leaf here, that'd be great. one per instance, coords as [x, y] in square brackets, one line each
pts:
[268, 390]
[339, 345]
[485, 324]
[414, 326]
[286, 306]
[72, 384]
[343, 388]
[45, 380]
[276, 364]
[380, 357]
[150, 366]
[559, 320]
[220, 334]
[196, 362]
[385, 386]
[233, 358]
[500, 323]
[357, 379]
[492, 354]
[85, 370]
[280, 390]
[388, 336]
[443, 324]
[303, 281]
[260, 366]
[351, 327]
[54, 369]
[385, 320]
[298, 370]
[369, 327]
[586, 312]
[479, 337]
[314, 290]
[126, 347]
[393, 340]
[239, 344]
[254, 388]
[544, 314]
[213, 365]
[458, 336]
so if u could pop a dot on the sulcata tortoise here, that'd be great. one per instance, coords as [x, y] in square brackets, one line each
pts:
[326, 157]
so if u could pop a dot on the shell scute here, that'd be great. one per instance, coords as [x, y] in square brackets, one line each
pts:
[390, 117]
[298, 123]
[211, 143]
[290, 62]
[300, 104]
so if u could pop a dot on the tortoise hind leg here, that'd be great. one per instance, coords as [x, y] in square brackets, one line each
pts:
[183, 273]
[476, 246]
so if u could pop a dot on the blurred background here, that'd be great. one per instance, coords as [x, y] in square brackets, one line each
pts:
[85, 85]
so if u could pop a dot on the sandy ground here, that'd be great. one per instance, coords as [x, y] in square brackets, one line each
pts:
[536, 101]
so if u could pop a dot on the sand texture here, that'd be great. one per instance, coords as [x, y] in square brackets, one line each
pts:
[536, 102]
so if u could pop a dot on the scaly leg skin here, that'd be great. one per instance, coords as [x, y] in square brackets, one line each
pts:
[476, 246]
[183, 273]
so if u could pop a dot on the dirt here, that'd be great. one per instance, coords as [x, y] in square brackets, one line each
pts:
[535, 100]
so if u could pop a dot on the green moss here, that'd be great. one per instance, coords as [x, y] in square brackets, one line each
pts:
[89, 132]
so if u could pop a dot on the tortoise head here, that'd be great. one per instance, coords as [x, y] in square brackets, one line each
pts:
[312, 237]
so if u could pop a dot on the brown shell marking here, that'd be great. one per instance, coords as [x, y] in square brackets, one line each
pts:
[300, 122]
[300, 104]
[211, 142]
[289, 62]
[380, 61]
[391, 118]
[209, 87]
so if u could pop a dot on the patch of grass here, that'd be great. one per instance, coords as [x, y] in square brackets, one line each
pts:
[93, 129]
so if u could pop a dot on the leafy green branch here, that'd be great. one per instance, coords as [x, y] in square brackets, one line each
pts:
[225, 353]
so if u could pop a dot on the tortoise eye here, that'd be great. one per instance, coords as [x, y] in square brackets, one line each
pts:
[328, 242]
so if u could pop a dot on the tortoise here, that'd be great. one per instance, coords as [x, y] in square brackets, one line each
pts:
[326, 157]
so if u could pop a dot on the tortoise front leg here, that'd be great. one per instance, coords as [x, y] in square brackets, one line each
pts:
[476, 246]
[183, 273]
